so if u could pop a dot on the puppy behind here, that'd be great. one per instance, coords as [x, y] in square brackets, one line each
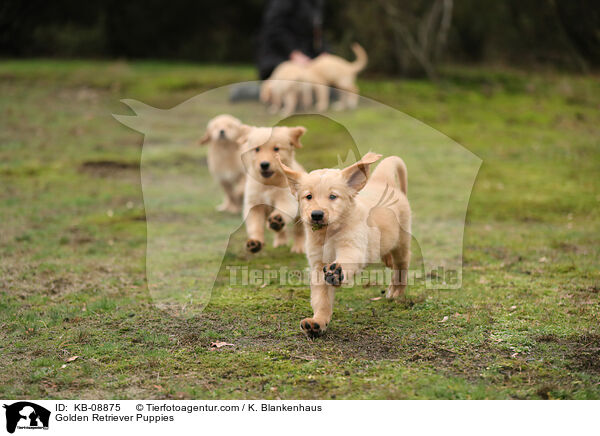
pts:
[224, 159]
[351, 221]
[287, 83]
[340, 73]
[267, 199]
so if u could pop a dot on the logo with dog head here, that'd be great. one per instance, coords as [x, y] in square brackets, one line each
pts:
[190, 246]
[26, 415]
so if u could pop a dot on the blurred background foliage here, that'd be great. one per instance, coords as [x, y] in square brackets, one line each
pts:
[408, 37]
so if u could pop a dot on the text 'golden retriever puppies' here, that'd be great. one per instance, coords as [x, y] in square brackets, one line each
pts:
[267, 199]
[224, 159]
[352, 220]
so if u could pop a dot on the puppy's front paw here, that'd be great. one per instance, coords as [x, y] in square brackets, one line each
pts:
[276, 222]
[333, 274]
[253, 245]
[312, 328]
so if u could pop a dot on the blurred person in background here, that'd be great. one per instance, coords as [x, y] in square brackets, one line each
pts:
[291, 30]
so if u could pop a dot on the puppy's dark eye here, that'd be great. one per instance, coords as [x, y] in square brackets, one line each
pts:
[332, 197]
[292, 144]
[257, 149]
[276, 149]
[309, 197]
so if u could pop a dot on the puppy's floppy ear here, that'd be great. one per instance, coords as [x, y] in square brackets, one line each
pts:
[293, 177]
[243, 135]
[356, 175]
[205, 138]
[295, 134]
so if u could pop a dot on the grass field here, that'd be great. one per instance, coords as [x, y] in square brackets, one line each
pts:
[525, 324]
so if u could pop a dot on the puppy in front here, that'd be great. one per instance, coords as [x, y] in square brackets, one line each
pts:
[267, 198]
[352, 220]
[224, 159]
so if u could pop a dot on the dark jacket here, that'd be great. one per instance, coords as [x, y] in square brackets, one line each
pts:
[289, 25]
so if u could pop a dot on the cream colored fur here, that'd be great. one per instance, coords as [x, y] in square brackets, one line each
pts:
[365, 220]
[338, 72]
[288, 83]
[267, 199]
[224, 159]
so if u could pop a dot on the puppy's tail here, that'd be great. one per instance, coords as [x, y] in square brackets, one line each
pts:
[265, 92]
[386, 171]
[361, 60]
[402, 173]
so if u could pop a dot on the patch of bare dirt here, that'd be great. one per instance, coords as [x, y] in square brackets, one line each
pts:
[107, 168]
[583, 352]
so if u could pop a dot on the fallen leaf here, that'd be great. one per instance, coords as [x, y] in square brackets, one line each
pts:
[513, 307]
[64, 365]
[543, 259]
[219, 344]
[376, 298]
[71, 359]
[444, 319]
[157, 387]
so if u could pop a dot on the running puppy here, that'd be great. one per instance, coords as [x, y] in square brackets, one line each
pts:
[351, 221]
[267, 198]
[338, 72]
[289, 82]
[224, 159]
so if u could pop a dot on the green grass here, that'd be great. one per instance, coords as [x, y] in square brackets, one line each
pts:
[525, 324]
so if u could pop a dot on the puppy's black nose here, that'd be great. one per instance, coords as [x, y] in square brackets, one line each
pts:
[222, 132]
[317, 215]
[264, 165]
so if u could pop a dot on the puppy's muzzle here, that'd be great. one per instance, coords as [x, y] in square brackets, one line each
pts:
[265, 169]
[221, 134]
[317, 216]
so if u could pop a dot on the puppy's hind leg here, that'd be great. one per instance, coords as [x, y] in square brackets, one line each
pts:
[322, 93]
[232, 202]
[226, 203]
[400, 259]
[290, 102]
[350, 96]
[275, 99]
[307, 95]
[237, 193]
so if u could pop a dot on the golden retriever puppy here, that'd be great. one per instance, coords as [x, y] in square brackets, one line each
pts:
[352, 220]
[224, 159]
[341, 74]
[267, 198]
[289, 82]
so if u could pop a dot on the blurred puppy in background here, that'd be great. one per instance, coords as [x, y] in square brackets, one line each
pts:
[224, 159]
[346, 230]
[340, 73]
[267, 198]
[291, 82]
